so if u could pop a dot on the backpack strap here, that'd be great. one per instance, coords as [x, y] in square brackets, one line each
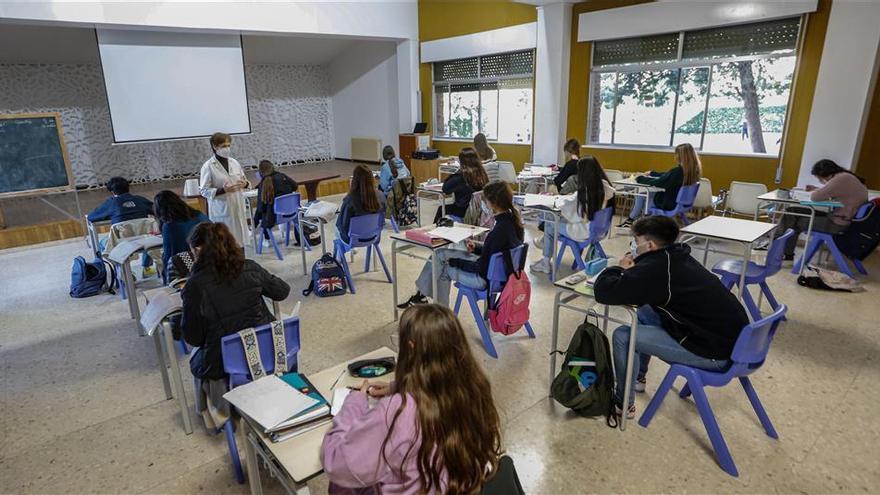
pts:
[252, 353]
[113, 285]
[308, 290]
[280, 343]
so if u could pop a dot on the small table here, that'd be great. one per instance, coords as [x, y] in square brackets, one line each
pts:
[121, 256]
[555, 216]
[630, 187]
[525, 177]
[310, 179]
[430, 191]
[406, 244]
[744, 232]
[787, 199]
[565, 293]
[295, 461]
[447, 169]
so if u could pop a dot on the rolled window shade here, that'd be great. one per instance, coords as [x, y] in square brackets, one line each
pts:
[771, 37]
[508, 64]
[642, 50]
[515, 84]
[456, 70]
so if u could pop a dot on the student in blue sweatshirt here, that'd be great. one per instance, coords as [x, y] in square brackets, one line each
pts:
[472, 266]
[393, 168]
[124, 206]
[176, 219]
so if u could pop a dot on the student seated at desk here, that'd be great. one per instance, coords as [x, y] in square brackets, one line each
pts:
[685, 173]
[224, 294]
[593, 193]
[838, 184]
[685, 314]
[393, 168]
[470, 267]
[176, 221]
[488, 157]
[435, 429]
[272, 184]
[123, 206]
[571, 149]
[471, 177]
[362, 199]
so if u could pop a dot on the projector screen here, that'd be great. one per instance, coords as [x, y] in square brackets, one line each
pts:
[166, 85]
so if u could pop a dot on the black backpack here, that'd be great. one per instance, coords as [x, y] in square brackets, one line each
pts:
[585, 383]
[863, 235]
[328, 278]
[90, 279]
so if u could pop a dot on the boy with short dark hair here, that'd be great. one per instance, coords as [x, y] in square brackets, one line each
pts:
[122, 205]
[685, 314]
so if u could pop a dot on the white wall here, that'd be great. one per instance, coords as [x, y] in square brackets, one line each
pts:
[363, 88]
[507, 39]
[551, 81]
[843, 87]
[397, 19]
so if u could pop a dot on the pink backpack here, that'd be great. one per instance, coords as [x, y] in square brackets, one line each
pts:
[511, 311]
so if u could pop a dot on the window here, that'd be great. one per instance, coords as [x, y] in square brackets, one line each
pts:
[724, 90]
[491, 94]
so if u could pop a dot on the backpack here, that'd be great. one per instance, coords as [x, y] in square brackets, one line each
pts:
[313, 237]
[585, 382]
[863, 235]
[328, 278]
[403, 202]
[511, 311]
[89, 279]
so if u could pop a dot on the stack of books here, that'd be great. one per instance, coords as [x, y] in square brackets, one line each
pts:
[282, 407]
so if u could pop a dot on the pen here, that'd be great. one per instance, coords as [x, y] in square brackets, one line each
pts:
[337, 379]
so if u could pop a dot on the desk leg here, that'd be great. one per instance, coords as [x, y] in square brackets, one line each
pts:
[435, 275]
[250, 459]
[323, 237]
[394, 296]
[302, 242]
[555, 247]
[807, 239]
[311, 190]
[747, 256]
[706, 252]
[163, 370]
[554, 337]
[647, 200]
[131, 293]
[418, 208]
[630, 359]
[176, 378]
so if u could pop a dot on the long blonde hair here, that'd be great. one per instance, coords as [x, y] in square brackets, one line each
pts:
[484, 151]
[687, 157]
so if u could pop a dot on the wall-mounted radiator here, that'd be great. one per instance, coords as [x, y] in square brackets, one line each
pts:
[366, 149]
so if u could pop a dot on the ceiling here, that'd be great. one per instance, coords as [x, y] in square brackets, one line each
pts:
[31, 44]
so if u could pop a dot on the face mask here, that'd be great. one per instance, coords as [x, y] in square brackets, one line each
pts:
[634, 248]
[222, 152]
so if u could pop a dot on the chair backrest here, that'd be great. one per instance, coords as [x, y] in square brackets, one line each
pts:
[863, 210]
[288, 204]
[506, 171]
[775, 254]
[235, 361]
[601, 224]
[743, 197]
[753, 344]
[130, 228]
[365, 230]
[704, 194]
[686, 196]
[497, 273]
[614, 175]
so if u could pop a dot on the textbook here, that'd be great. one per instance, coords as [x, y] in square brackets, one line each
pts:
[274, 403]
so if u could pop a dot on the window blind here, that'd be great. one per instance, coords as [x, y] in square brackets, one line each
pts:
[745, 40]
[642, 50]
[456, 70]
[507, 64]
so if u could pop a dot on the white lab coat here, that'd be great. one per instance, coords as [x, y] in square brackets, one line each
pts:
[227, 208]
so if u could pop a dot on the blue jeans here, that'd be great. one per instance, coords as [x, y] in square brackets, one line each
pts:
[639, 206]
[447, 274]
[651, 340]
[548, 237]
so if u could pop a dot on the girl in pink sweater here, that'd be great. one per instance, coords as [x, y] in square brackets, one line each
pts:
[435, 429]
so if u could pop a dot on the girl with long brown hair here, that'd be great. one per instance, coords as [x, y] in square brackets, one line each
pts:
[435, 429]
[686, 172]
[471, 266]
[272, 184]
[362, 199]
[471, 177]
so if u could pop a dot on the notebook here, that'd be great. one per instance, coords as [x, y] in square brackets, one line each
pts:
[271, 402]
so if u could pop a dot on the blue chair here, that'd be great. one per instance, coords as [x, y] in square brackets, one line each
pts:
[286, 210]
[496, 277]
[730, 270]
[817, 239]
[683, 204]
[364, 230]
[235, 365]
[749, 353]
[599, 227]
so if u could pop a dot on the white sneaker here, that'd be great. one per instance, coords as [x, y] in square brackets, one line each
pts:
[639, 385]
[538, 242]
[540, 266]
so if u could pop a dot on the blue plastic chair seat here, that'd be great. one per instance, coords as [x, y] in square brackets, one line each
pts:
[754, 271]
[599, 227]
[363, 231]
[684, 201]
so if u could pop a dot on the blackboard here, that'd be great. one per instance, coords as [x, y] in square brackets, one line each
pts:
[33, 156]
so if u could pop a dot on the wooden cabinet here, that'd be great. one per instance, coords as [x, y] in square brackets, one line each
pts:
[424, 170]
[409, 143]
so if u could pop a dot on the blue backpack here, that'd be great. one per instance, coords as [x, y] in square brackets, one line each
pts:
[328, 278]
[89, 279]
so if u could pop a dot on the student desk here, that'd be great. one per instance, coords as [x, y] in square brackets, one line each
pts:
[525, 177]
[630, 187]
[401, 244]
[786, 200]
[565, 293]
[121, 257]
[295, 461]
[551, 215]
[310, 180]
[432, 191]
[93, 237]
[744, 232]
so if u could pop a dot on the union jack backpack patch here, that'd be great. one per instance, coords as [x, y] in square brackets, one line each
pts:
[328, 278]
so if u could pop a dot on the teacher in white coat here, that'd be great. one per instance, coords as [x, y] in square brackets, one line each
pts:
[221, 182]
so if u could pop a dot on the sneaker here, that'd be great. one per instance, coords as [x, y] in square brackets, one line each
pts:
[639, 385]
[762, 247]
[630, 413]
[626, 223]
[540, 266]
[149, 271]
[538, 242]
[417, 298]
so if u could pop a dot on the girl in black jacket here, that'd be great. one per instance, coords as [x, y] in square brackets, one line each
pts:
[272, 184]
[471, 177]
[572, 149]
[224, 294]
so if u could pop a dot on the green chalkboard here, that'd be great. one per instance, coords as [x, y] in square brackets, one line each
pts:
[33, 157]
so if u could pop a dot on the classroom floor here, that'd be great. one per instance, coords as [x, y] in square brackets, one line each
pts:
[83, 409]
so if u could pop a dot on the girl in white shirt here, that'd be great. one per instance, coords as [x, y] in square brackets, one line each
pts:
[594, 192]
